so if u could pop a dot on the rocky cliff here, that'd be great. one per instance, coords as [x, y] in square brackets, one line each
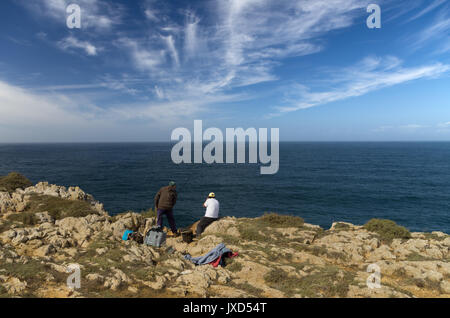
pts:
[45, 228]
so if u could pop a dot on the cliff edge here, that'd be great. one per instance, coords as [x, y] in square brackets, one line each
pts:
[45, 228]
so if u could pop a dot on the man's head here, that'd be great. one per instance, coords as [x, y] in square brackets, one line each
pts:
[212, 195]
[172, 184]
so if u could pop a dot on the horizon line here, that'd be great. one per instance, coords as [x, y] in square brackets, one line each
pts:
[168, 142]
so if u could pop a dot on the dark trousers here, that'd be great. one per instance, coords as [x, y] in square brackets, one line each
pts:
[170, 218]
[203, 224]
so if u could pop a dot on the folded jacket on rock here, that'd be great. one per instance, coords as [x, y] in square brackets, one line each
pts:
[209, 257]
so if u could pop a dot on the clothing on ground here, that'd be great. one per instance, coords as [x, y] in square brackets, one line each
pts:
[125, 235]
[212, 208]
[170, 218]
[203, 224]
[221, 260]
[209, 257]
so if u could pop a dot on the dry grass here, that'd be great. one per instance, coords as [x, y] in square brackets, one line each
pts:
[14, 181]
[387, 230]
[328, 281]
[58, 208]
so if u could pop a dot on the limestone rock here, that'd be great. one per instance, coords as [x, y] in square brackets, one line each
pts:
[13, 285]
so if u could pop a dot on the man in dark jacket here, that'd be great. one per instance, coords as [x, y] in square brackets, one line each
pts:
[165, 200]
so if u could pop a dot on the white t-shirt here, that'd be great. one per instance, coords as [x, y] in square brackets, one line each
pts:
[212, 208]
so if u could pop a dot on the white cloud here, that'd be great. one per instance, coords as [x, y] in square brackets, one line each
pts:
[37, 117]
[193, 43]
[237, 44]
[444, 125]
[145, 59]
[437, 32]
[28, 116]
[71, 42]
[412, 126]
[151, 15]
[170, 42]
[240, 46]
[369, 75]
[430, 7]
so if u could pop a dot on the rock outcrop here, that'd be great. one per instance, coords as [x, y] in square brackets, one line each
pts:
[277, 258]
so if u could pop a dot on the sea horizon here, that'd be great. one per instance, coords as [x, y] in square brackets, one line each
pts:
[323, 182]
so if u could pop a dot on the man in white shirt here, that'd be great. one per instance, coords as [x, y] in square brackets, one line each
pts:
[211, 215]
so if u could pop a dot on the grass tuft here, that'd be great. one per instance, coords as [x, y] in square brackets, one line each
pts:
[58, 208]
[387, 229]
[280, 221]
[328, 281]
[14, 181]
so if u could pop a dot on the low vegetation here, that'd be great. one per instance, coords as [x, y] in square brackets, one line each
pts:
[14, 181]
[249, 289]
[256, 230]
[56, 207]
[234, 266]
[280, 220]
[341, 226]
[387, 229]
[328, 281]
[150, 213]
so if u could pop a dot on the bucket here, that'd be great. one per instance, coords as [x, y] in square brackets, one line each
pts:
[187, 236]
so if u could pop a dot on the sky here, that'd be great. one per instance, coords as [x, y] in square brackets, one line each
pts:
[136, 70]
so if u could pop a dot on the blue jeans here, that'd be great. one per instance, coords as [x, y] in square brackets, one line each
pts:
[170, 218]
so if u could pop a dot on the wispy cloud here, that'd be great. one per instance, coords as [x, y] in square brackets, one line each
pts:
[444, 125]
[430, 7]
[402, 128]
[414, 128]
[187, 59]
[366, 76]
[241, 46]
[60, 116]
[71, 42]
[438, 32]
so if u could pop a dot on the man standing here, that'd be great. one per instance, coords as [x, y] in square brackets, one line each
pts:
[165, 200]
[211, 215]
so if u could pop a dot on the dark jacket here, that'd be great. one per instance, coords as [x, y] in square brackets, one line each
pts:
[166, 198]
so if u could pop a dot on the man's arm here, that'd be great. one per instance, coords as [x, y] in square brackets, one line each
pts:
[175, 198]
[205, 205]
[157, 196]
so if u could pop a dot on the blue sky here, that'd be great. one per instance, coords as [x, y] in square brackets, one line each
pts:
[136, 70]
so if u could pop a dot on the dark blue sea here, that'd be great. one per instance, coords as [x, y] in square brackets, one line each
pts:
[321, 182]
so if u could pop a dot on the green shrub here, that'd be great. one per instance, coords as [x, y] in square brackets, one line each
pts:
[251, 233]
[234, 266]
[387, 229]
[279, 220]
[27, 218]
[341, 226]
[433, 236]
[58, 208]
[14, 181]
[150, 213]
[328, 281]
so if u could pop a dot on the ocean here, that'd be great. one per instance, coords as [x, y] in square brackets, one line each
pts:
[323, 182]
